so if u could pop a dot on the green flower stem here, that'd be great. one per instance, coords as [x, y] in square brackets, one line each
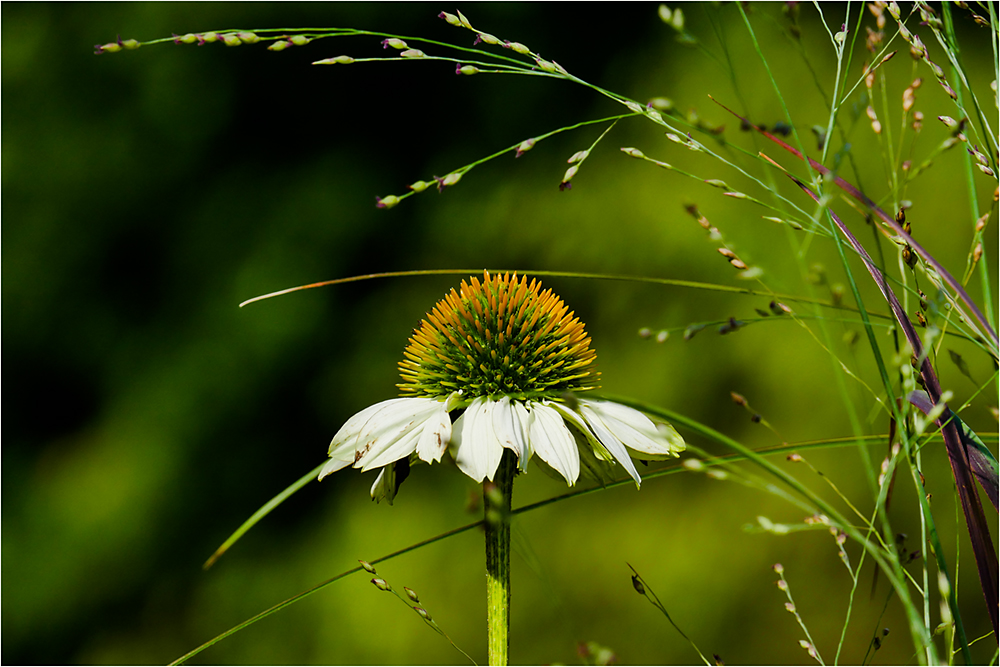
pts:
[496, 501]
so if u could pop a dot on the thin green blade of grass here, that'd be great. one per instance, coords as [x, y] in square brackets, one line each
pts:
[921, 633]
[979, 532]
[643, 589]
[667, 470]
[887, 219]
[984, 464]
[261, 513]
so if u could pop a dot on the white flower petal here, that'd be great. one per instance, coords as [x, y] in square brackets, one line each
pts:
[634, 429]
[344, 443]
[332, 466]
[435, 435]
[523, 419]
[475, 447]
[508, 428]
[385, 485]
[399, 448]
[392, 433]
[553, 442]
[606, 438]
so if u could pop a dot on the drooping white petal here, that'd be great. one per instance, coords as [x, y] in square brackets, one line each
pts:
[509, 430]
[332, 466]
[670, 434]
[634, 429]
[604, 437]
[392, 432]
[596, 462]
[435, 435]
[474, 444]
[553, 442]
[523, 418]
[385, 485]
[393, 450]
[344, 443]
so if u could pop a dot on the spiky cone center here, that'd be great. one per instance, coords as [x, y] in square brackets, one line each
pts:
[502, 336]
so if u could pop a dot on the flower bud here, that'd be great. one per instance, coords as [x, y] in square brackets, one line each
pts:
[423, 613]
[299, 40]
[381, 584]
[635, 107]
[692, 331]
[677, 22]
[451, 19]
[280, 45]
[229, 39]
[662, 104]
[467, 70]
[248, 37]
[779, 308]
[524, 147]
[449, 180]
[207, 38]
[369, 568]
[568, 176]
[578, 156]
[716, 183]
[645, 332]
[778, 568]
[662, 336]
[419, 186]
[130, 44]
[949, 143]
[633, 152]
[397, 44]
[517, 47]
[487, 37]
[545, 65]
[876, 125]
[654, 114]
[110, 47]
[412, 594]
[412, 53]
[693, 464]
[339, 60]
[386, 202]
[637, 585]
[189, 38]
[790, 607]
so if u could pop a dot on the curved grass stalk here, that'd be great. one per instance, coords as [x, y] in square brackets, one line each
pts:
[982, 543]
[733, 457]
[891, 222]
[557, 274]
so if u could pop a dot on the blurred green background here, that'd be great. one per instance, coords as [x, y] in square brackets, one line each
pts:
[147, 193]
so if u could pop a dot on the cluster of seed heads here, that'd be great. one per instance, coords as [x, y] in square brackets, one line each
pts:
[117, 45]
[918, 51]
[412, 599]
